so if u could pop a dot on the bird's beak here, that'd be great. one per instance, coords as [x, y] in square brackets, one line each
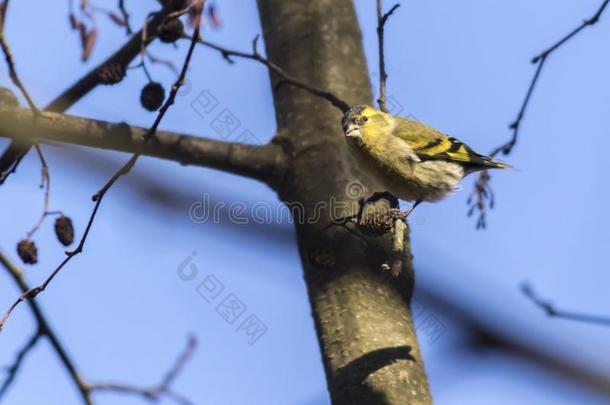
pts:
[352, 130]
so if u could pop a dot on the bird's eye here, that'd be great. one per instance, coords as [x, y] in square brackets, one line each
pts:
[365, 119]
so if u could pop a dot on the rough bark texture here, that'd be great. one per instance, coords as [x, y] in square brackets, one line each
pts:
[362, 318]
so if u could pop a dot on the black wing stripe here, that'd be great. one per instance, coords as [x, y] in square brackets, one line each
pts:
[431, 144]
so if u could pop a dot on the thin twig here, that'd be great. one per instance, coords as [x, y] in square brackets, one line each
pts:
[161, 61]
[11, 66]
[381, 21]
[125, 15]
[85, 389]
[482, 182]
[154, 393]
[3, 8]
[285, 76]
[45, 182]
[11, 371]
[45, 329]
[98, 197]
[45, 177]
[553, 312]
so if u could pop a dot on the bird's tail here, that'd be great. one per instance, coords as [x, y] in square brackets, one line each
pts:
[490, 163]
[485, 162]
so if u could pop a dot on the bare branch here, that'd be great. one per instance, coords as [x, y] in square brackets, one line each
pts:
[266, 163]
[46, 179]
[482, 182]
[10, 61]
[11, 371]
[13, 72]
[98, 197]
[125, 15]
[85, 389]
[381, 21]
[286, 77]
[45, 330]
[15, 152]
[551, 311]
[155, 393]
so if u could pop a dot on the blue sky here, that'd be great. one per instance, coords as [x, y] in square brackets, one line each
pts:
[124, 313]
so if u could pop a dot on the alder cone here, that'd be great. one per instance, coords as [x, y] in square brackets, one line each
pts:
[111, 73]
[27, 251]
[64, 230]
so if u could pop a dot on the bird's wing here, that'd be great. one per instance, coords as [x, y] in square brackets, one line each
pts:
[430, 144]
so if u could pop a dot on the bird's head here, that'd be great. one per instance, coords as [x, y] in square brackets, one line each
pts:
[358, 118]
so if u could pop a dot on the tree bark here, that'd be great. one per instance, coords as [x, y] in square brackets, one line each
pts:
[361, 313]
[264, 162]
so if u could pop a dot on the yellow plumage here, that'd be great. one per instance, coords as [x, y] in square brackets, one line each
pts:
[411, 160]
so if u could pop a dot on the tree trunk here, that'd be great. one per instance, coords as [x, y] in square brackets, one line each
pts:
[364, 326]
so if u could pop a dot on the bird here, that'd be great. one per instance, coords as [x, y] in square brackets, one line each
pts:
[409, 159]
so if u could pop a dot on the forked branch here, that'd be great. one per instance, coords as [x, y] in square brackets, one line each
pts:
[98, 197]
[551, 311]
[480, 197]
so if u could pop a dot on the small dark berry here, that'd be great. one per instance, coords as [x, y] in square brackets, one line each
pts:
[111, 73]
[64, 230]
[171, 31]
[27, 251]
[152, 96]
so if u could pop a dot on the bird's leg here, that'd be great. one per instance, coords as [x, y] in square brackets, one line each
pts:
[381, 195]
[362, 202]
[410, 210]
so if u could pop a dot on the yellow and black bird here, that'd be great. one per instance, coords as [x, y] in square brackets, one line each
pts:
[411, 160]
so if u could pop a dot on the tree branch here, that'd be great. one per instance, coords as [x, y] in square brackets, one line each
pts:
[155, 393]
[45, 330]
[381, 21]
[126, 17]
[98, 197]
[11, 371]
[85, 389]
[15, 152]
[551, 311]
[285, 76]
[265, 163]
[482, 192]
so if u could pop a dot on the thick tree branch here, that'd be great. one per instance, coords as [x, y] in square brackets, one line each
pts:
[197, 5]
[265, 163]
[15, 152]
